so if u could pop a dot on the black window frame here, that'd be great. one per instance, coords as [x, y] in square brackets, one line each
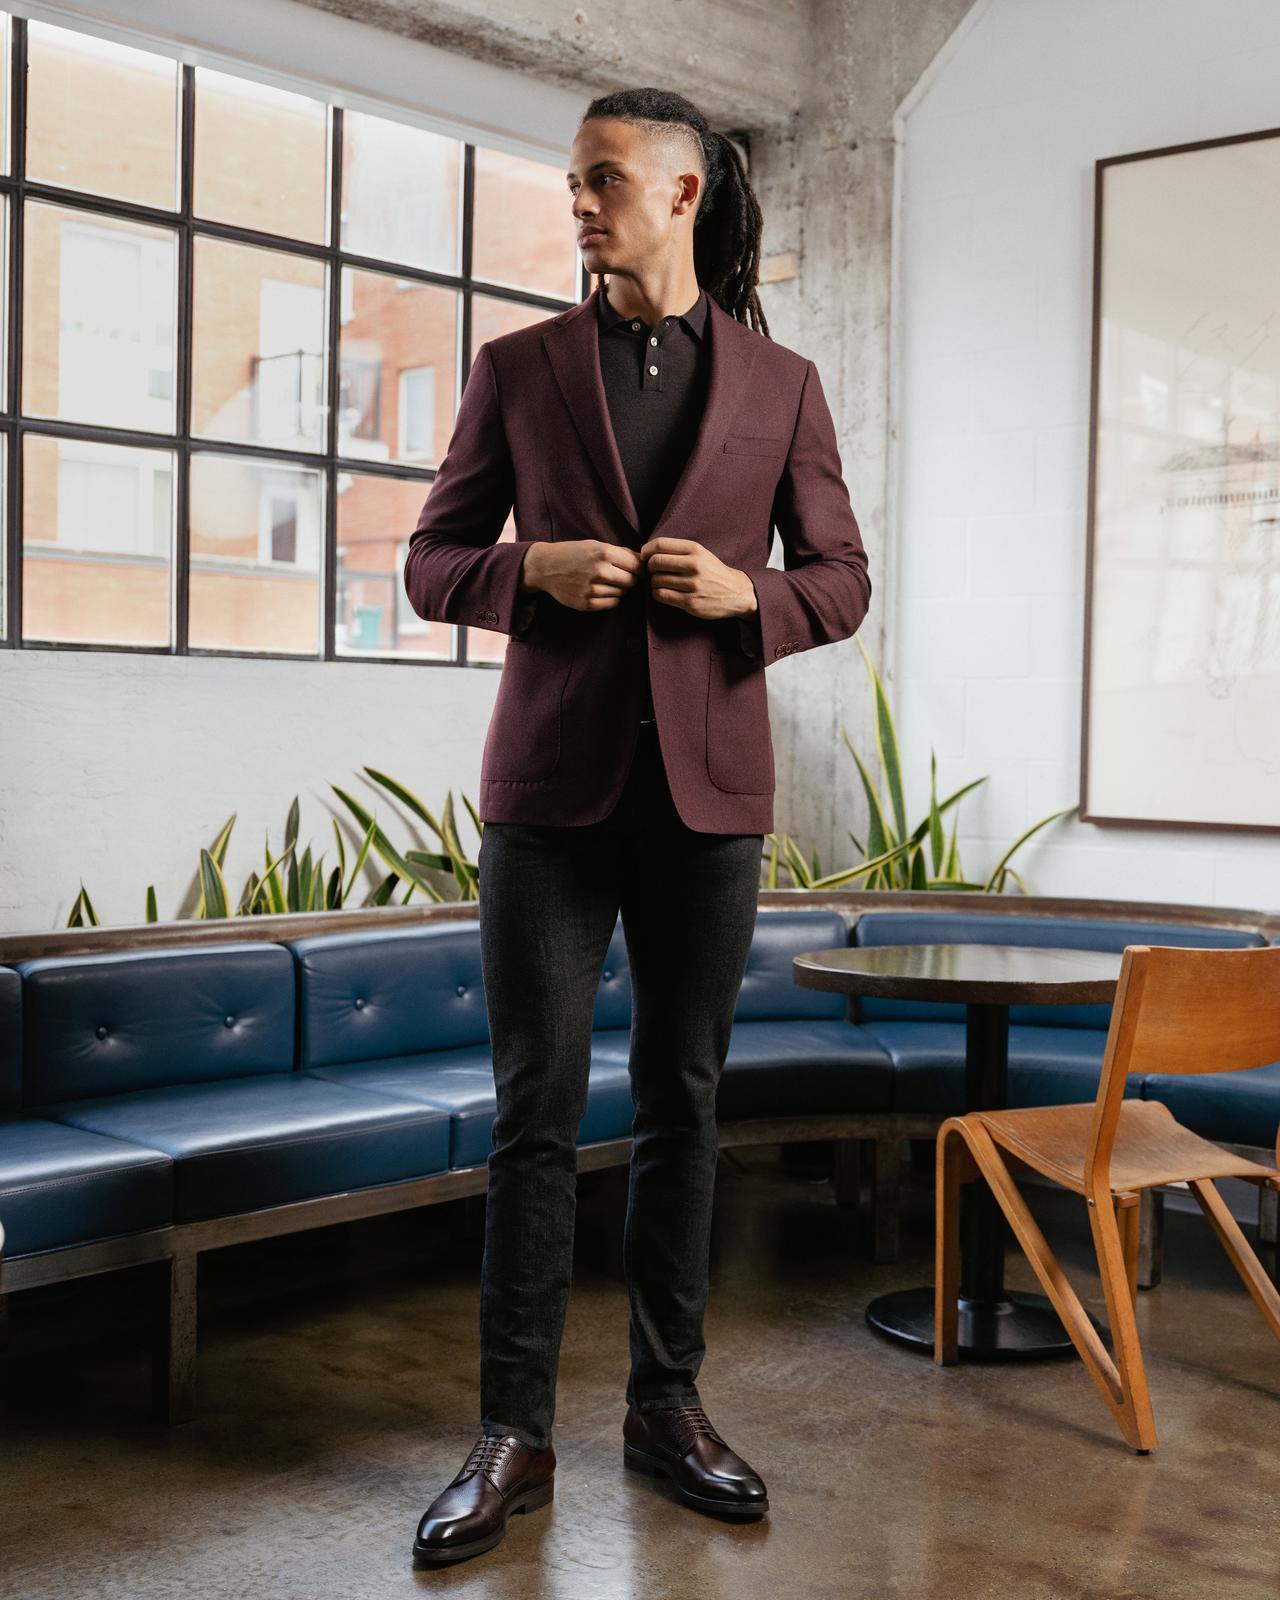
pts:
[186, 227]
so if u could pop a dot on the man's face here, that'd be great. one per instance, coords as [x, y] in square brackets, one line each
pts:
[624, 191]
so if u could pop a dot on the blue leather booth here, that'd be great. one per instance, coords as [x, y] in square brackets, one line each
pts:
[160, 1101]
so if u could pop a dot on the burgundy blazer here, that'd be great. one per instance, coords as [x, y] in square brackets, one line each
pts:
[533, 432]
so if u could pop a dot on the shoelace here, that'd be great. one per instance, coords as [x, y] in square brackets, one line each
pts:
[486, 1453]
[688, 1422]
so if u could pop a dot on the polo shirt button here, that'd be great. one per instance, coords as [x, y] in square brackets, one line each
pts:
[654, 371]
[653, 338]
[101, 1030]
[635, 327]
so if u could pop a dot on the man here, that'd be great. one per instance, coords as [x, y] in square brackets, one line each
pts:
[648, 440]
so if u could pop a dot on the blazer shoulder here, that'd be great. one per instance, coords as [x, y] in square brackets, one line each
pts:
[785, 361]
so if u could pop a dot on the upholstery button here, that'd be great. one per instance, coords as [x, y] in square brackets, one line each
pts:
[228, 1022]
[101, 1030]
[359, 1002]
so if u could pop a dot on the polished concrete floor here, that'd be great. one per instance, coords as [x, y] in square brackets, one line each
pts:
[338, 1392]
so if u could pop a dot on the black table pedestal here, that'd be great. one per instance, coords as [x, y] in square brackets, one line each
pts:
[995, 1325]
[1018, 1327]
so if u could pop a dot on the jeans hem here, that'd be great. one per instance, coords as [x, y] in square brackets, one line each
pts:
[523, 1434]
[688, 1397]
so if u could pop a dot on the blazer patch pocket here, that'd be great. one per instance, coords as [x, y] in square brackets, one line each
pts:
[742, 444]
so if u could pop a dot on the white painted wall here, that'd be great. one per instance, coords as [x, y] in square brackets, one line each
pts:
[115, 768]
[993, 269]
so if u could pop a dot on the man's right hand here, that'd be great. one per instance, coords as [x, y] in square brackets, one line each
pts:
[583, 574]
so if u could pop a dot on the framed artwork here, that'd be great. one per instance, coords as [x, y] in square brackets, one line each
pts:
[1181, 714]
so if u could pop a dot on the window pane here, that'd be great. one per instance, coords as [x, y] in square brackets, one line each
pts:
[262, 156]
[99, 298]
[401, 193]
[102, 117]
[490, 317]
[258, 363]
[97, 542]
[392, 327]
[6, 35]
[373, 612]
[256, 542]
[524, 232]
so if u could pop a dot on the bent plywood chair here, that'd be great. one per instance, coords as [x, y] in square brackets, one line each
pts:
[1175, 1010]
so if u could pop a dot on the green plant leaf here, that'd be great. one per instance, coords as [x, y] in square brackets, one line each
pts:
[384, 891]
[886, 742]
[997, 870]
[408, 797]
[364, 851]
[385, 848]
[342, 848]
[213, 886]
[936, 844]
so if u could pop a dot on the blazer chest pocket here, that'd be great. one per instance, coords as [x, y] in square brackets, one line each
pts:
[743, 444]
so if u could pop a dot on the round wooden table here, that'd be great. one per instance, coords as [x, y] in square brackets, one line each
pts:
[987, 979]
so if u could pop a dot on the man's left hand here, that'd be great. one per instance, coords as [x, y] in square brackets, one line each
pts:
[687, 575]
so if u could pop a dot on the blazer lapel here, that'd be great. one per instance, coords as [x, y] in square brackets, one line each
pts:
[572, 343]
[573, 348]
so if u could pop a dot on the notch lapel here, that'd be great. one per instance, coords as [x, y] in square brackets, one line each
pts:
[573, 348]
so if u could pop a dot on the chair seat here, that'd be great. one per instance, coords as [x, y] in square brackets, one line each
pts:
[1151, 1147]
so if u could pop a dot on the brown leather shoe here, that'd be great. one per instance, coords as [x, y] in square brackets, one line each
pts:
[680, 1443]
[500, 1475]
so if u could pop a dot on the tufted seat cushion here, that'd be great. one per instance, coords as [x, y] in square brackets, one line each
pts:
[246, 1143]
[790, 1068]
[62, 1186]
[460, 1083]
[1236, 1107]
[1047, 1066]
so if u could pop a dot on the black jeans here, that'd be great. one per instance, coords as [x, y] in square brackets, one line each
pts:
[549, 901]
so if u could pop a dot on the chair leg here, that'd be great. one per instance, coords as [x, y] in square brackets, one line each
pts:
[1237, 1247]
[955, 1167]
[1116, 1245]
[885, 1200]
[173, 1368]
[1128, 1215]
[1268, 1215]
[1125, 1398]
[1151, 1239]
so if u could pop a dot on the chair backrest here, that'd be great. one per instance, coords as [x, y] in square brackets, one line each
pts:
[1184, 1010]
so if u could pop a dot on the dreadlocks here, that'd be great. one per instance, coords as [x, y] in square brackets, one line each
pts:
[728, 220]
